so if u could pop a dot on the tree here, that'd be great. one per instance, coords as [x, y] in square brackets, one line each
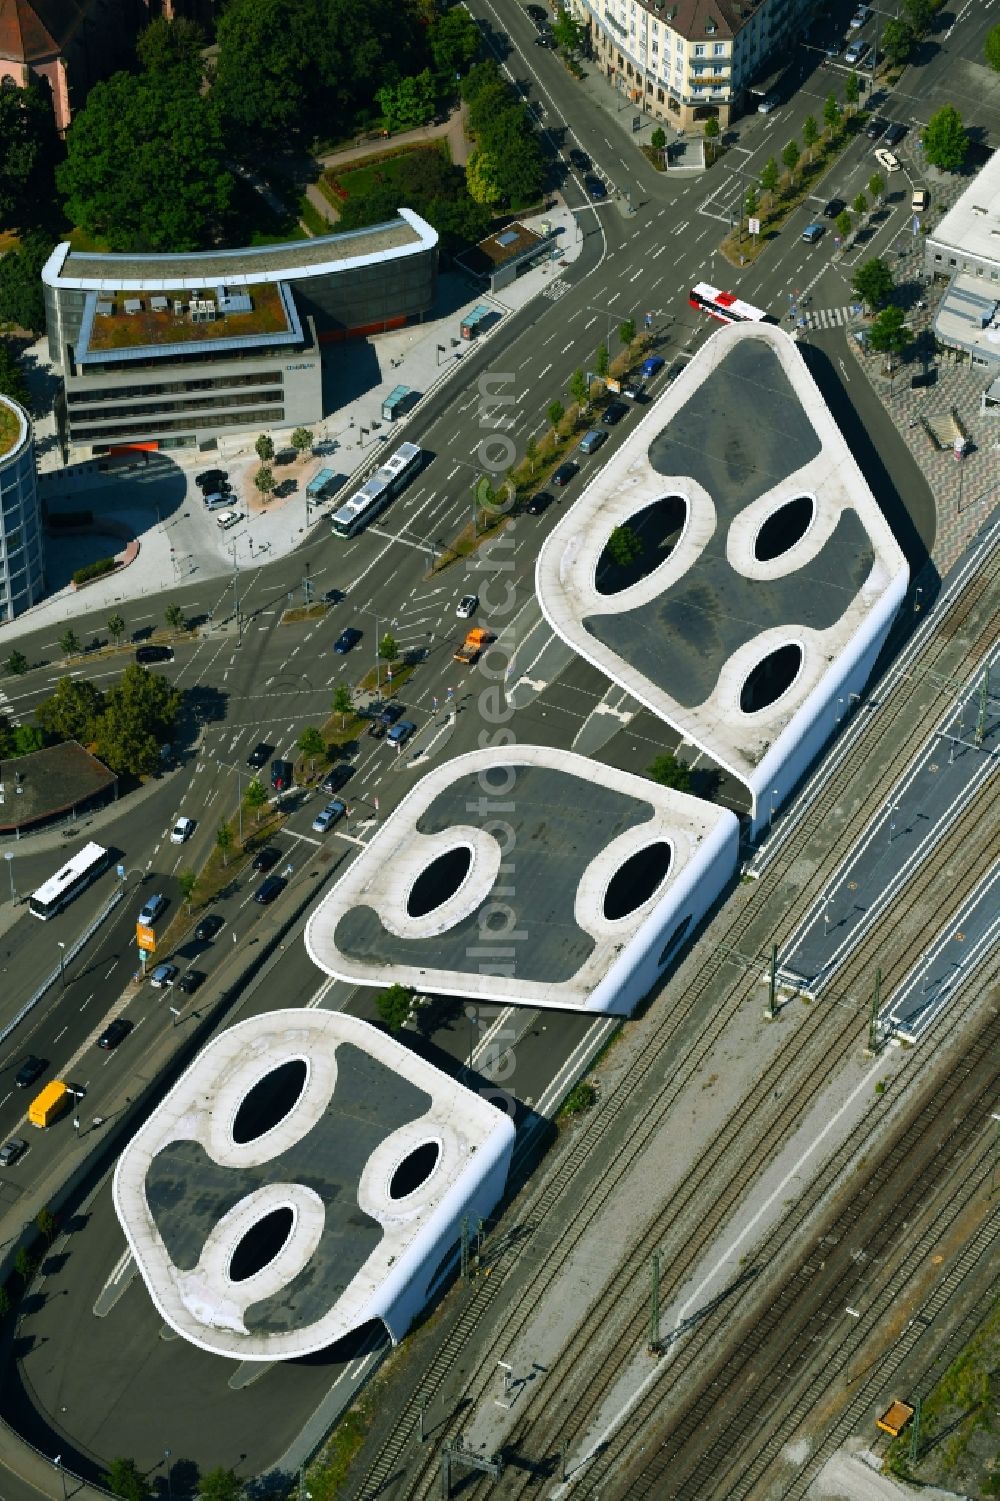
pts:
[897, 39]
[483, 178]
[410, 102]
[125, 1479]
[810, 134]
[991, 48]
[165, 45]
[394, 1005]
[860, 205]
[311, 744]
[843, 222]
[876, 186]
[5, 1301]
[578, 388]
[46, 1223]
[264, 480]
[670, 772]
[17, 664]
[751, 203]
[831, 114]
[174, 617]
[852, 90]
[342, 703]
[224, 842]
[302, 439]
[888, 333]
[602, 362]
[387, 648]
[220, 1485]
[12, 381]
[658, 139]
[72, 711]
[919, 13]
[624, 546]
[555, 412]
[27, 130]
[21, 299]
[116, 627]
[712, 129]
[138, 717]
[790, 154]
[626, 331]
[945, 141]
[770, 176]
[568, 33]
[28, 738]
[157, 130]
[70, 642]
[454, 40]
[531, 453]
[265, 448]
[255, 797]
[873, 282]
[187, 880]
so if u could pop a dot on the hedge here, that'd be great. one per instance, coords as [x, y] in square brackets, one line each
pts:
[93, 571]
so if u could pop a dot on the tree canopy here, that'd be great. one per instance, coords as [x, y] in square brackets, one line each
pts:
[873, 282]
[72, 711]
[12, 381]
[505, 130]
[670, 772]
[393, 1005]
[137, 719]
[27, 154]
[888, 333]
[945, 141]
[991, 48]
[21, 299]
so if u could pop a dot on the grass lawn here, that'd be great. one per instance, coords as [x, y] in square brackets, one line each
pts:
[359, 181]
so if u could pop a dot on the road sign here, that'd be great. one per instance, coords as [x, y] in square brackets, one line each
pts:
[120, 872]
[754, 226]
[145, 938]
[613, 385]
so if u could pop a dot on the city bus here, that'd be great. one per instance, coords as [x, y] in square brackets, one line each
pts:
[725, 306]
[375, 494]
[72, 878]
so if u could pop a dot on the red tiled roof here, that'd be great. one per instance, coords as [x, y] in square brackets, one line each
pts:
[31, 32]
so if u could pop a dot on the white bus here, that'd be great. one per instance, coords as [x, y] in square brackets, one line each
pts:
[725, 306]
[375, 494]
[72, 878]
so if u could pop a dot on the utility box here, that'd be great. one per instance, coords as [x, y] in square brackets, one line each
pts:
[895, 1419]
[48, 1106]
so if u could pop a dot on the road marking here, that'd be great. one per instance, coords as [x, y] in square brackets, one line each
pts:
[88, 1000]
[566, 350]
[60, 1034]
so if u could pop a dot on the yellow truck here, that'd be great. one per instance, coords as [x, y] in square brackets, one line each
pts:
[474, 645]
[48, 1106]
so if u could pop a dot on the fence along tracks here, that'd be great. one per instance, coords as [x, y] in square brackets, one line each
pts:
[696, 976]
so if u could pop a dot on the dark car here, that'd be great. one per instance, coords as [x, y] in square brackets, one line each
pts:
[876, 127]
[389, 713]
[282, 773]
[209, 478]
[538, 503]
[538, 14]
[260, 755]
[543, 39]
[346, 641]
[190, 980]
[114, 1033]
[894, 134]
[266, 859]
[144, 655]
[208, 927]
[834, 207]
[564, 474]
[580, 160]
[377, 729]
[595, 187]
[337, 776]
[614, 412]
[30, 1070]
[269, 889]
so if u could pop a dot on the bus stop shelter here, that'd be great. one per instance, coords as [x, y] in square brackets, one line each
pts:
[398, 402]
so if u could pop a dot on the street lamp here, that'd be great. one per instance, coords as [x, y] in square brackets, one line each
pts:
[59, 1466]
[9, 857]
[62, 960]
[170, 1487]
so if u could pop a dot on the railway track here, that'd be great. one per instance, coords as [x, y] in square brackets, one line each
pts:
[965, 632]
[610, 1332]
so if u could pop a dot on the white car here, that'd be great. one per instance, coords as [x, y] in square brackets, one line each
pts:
[886, 160]
[859, 18]
[182, 830]
[467, 606]
[855, 52]
[768, 103]
[226, 519]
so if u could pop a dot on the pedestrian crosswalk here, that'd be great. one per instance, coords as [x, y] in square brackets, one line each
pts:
[828, 317]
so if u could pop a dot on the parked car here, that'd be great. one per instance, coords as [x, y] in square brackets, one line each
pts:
[595, 187]
[376, 730]
[564, 474]
[114, 1033]
[813, 232]
[538, 14]
[182, 830]
[346, 641]
[215, 502]
[859, 18]
[388, 714]
[163, 976]
[591, 442]
[336, 777]
[401, 732]
[545, 39]
[634, 389]
[266, 858]
[260, 755]
[328, 816]
[835, 207]
[190, 980]
[538, 503]
[580, 160]
[209, 478]
[227, 519]
[855, 52]
[467, 606]
[282, 775]
[920, 201]
[152, 909]
[31, 1069]
[12, 1150]
[833, 48]
[876, 127]
[269, 889]
[146, 655]
[651, 366]
[894, 134]
[886, 160]
[614, 412]
[208, 927]
[768, 103]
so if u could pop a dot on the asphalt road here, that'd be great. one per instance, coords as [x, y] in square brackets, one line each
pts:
[277, 679]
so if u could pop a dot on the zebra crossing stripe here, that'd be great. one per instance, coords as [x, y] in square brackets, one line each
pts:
[836, 317]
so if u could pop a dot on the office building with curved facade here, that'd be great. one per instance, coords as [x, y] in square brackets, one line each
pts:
[22, 561]
[170, 351]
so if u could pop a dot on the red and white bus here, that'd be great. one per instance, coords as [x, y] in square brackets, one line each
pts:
[724, 305]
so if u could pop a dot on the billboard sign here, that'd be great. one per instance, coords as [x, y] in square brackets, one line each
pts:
[145, 938]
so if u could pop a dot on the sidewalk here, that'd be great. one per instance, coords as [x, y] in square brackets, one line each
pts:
[180, 545]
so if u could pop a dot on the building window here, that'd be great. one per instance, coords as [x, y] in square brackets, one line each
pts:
[718, 49]
[699, 50]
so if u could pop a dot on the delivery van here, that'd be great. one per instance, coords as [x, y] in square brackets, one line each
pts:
[50, 1104]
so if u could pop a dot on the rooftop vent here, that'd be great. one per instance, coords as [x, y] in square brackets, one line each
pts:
[509, 237]
[179, 306]
[158, 304]
[106, 309]
[977, 208]
[133, 304]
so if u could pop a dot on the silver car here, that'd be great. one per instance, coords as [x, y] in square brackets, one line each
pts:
[12, 1150]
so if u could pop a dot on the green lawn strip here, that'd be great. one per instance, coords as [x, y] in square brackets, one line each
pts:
[304, 612]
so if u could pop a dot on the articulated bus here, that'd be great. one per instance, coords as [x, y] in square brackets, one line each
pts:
[375, 494]
[724, 305]
[75, 876]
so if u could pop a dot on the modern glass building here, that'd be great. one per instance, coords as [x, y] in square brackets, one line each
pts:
[22, 564]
